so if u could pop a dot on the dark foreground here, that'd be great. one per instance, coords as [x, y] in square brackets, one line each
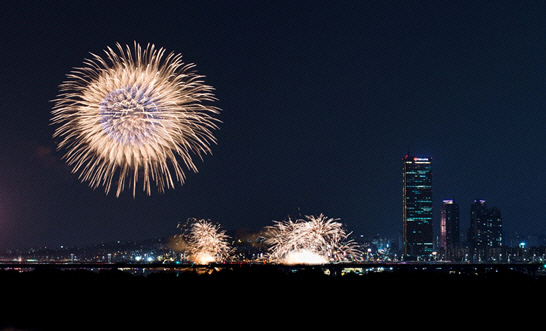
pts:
[53, 299]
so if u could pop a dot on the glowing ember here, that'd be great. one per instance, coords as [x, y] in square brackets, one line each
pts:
[304, 256]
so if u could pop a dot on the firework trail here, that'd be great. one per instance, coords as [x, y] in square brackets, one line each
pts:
[315, 240]
[134, 116]
[204, 242]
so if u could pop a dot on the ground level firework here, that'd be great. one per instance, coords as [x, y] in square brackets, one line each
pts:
[313, 240]
[203, 242]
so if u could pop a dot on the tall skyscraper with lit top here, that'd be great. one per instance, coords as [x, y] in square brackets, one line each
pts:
[417, 202]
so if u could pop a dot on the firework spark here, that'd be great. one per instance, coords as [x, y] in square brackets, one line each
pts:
[204, 242]
[315, 240]
[134, 116]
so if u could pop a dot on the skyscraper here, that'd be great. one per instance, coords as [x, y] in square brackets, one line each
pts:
[485, 226]
[449, 225]
[417, 203]
[495, 220]
[478, 223]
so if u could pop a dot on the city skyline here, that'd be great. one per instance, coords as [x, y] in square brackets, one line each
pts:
[319, 100]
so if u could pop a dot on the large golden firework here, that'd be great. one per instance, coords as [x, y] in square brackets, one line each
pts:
[134, 116]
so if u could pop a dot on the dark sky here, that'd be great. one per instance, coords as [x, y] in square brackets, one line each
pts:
[320, 100]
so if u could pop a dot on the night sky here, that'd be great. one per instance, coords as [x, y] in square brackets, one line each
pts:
[320, 102]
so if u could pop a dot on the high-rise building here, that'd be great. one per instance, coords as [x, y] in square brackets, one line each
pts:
[495, 220]
[478, 223]
[485, 226]
[449, 225]
[417, 203]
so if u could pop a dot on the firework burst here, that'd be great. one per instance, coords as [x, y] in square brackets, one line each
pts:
[315, 240]
[134, 116]
[204, 242]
